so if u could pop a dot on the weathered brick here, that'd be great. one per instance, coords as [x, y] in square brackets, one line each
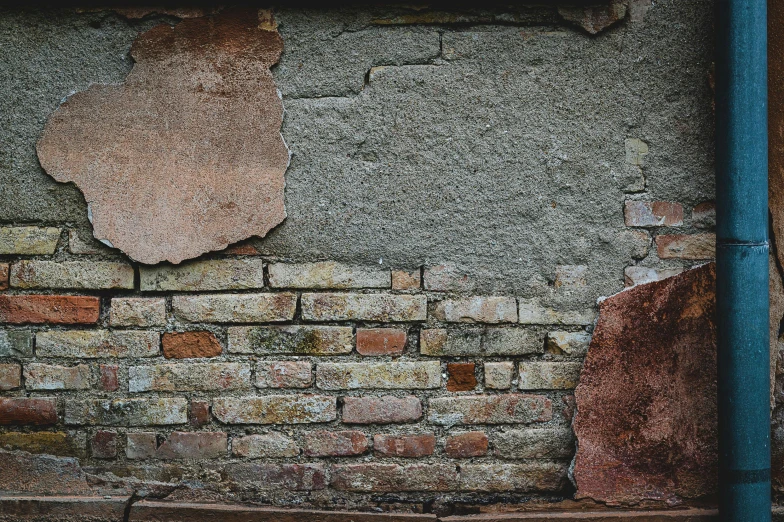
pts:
[109, 378]
[210, 274]
[442, 342]
[345, 443]
[377, 478]
[185, 345]
[267, 445]
[126, 412]
[531, 312]
[694, 246]
[523, 477]
[327, 274]
[93, 344]
[28, 241]
[294, 340]
[10, 376]
[381, 410]
[535, 443]
[569, 277]
[498, 375]
[380, 341]
[704, 215]
[51, 309]
[71, 274]
[52, 377]
[235, 308]
[574, 344]
[284, 374]
[21, 411]
[189, 376]
[466, 445]
[4, 273]
[275, 409]
[477, 309]
[490, 409]
[364, 307]
[193, 445]
[472, 342]
[511, 341]
[138, 311]
[386, 375]
[404, 445]
[404, 280]
[652, 213]
[264, 476]
[462, 376]
[16, 343]
[549, 375]
[104, 445]
[447, 278]
[569, 406]
[57, 443]
[199, 413]
[637, 275]
[141, 445]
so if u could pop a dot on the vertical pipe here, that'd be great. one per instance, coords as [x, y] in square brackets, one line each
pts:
[742, 260]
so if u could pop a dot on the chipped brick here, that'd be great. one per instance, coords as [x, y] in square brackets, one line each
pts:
[388, 375]
[404, 280]
[490, 409]
[126, 412]
[694, 246]
[104, 445]
[209, 274]
[404, 445]
[477, 309]
[109, 378]
[52, 377]
[28, 241]
[291, 340]
[549, 375]
[189, 376]
[141, 445]
[275, 409]
[92, 344]
[535, 443]
[138, 311]
[466, 445]
[10, 376]
[574, 344]
[193, 445]
[364, 307]
[199, 413]
[267, 445]
[652, 213]
[16, 343]
[284, 374]
[498, 375]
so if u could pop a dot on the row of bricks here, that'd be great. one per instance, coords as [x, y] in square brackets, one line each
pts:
[224, 376]
[510, 408]
[281, 307]
[301, 340]
[534, 443]
[248, 273]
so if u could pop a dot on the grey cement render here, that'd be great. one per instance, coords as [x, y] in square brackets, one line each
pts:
[495, 144]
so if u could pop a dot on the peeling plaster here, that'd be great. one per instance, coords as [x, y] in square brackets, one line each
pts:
[186, 156]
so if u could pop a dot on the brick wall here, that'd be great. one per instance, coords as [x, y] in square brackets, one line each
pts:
[291, 378]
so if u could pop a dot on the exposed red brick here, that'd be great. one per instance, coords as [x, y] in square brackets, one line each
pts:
[646, 402]
[380, 341]
[345, 443]
[104, 445]
[183, 345]
[20, 411]
[3, 276]
[404, 445]
[199, 413]
[53, 309]
[381, 410]
[686, 246]
[652, 214]
[461, 376]
[465, 445]
[109, 379]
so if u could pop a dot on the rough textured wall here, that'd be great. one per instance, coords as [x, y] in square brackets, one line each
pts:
[474, 181]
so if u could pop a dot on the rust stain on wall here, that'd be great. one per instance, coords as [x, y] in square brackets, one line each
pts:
[186, 156]
[646, 403]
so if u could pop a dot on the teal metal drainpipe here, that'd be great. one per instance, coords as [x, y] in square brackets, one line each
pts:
[742, 260]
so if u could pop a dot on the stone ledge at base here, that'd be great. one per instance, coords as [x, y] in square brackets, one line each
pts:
[114, 509]
[62, 508]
